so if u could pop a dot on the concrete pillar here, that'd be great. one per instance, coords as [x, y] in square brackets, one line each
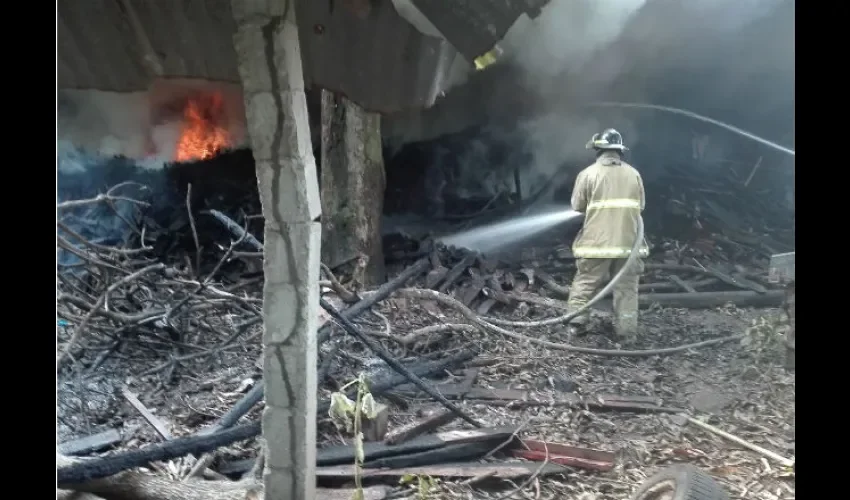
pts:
[269, 58]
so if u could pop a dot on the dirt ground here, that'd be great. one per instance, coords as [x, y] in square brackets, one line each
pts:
[741, 389]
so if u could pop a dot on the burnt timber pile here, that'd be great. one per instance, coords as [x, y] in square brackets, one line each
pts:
[711, 237]
[159, 342]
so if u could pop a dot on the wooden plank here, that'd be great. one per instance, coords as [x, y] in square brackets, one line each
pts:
[681, 283]
[469, 291]
[90, 444]
[635, 407]
[457, 270]
[464, 452]
[437, 273]
[514, 470]
[493, 290]
[584, 458]
[149, 417]
[377, 452]
[461, 390]
[519, 398]
[708, 300]
[670, 286]
[729, 280]
[617, 398]
[748, 283]
[428, 424]
[485, 305]
[551, 284]
[371, 493]
[341, 454]
[435, 276]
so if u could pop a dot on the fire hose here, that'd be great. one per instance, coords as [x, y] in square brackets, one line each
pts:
[633, 254]
[550, 183]
[695, 116]
[492, 323]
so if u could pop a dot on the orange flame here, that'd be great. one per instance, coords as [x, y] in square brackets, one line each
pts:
[203, 134]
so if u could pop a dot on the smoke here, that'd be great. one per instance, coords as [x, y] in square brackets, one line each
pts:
[691, 53]
[557, 142]
[730, 60]
[565, 35]
[144, 126]
[108, 138]
[83, 176]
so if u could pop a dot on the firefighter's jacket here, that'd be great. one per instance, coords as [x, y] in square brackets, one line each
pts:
[610, 193]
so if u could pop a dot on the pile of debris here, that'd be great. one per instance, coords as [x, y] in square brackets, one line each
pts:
[155, 342]
[700, 213]
[486, 283]
[730, 214]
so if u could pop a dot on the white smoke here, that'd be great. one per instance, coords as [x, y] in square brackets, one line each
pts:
[566, 35]
[579, 51]
[558, 141]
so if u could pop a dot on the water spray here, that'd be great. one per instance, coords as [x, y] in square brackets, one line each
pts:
[492, 236]
[691, 114]
[492, 324]
[639, 238]
[599, 296]
[501, 233]
[563, 215]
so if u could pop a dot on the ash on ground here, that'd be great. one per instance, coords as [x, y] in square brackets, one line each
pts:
[744, 390]
[185, 337]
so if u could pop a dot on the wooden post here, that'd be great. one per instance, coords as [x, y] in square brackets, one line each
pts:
[352, 185]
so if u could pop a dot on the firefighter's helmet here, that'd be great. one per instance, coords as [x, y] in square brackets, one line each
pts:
[609, 140]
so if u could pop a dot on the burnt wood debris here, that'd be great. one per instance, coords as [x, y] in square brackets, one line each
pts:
[166, 295]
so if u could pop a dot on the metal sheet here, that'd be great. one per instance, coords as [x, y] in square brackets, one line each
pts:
[97, 47]
[475, 26]
[378, 60]
[367, 52]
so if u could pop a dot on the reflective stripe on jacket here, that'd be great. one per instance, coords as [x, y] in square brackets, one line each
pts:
[610, 193]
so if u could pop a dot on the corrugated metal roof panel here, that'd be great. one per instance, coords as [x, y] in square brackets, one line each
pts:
[98, 49]
[376, 59]
[475, 26]
[380, 61]
[192, 38]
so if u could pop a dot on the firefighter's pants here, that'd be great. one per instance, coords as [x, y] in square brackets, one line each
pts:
[592, 274]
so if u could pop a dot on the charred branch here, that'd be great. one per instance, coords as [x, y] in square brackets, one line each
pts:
[380, 294]
[199, 444]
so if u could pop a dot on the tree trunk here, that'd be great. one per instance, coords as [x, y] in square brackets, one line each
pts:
[352, 188]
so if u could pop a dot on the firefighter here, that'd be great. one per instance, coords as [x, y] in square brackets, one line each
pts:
[610, 194]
